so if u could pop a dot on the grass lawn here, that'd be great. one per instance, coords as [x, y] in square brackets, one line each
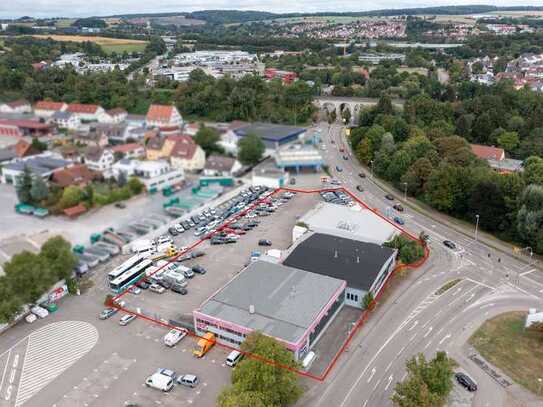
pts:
[120, 48]
[503, 341]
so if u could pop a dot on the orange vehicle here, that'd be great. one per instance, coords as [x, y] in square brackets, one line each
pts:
[204, 344]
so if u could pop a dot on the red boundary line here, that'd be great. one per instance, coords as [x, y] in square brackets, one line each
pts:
[360, 322]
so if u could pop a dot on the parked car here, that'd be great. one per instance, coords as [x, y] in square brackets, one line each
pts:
[338, 168]
[173, 231]
[449, 244]
[179, 288]
[292, 181]
[390, 197]
[361, 175]
[144, 285]
[108, 313]
[399, 220]
[188, 380]
[198, 269]
[398, 207]
[167, 372]
[157, 289]
[120, 205]
[135, 290]
[264, 242]
[359, 188]
[160, 382]
[126, 319]
[345, 157]
[173, 337]
[30, 318]
[165, 283]
[188, 273]
[40, 312]
[466, 381]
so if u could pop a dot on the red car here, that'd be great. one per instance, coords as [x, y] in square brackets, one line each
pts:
[341, 150]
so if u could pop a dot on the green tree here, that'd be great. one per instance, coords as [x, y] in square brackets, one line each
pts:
[121, 179]
[508, 140]
[71, 196]
[38, 145]
[530, 217]
[57, 253]
[39, 190]
[250, 149]
[533, 170]
[208, 138]
[23, 186]
[135, 185]
[368, 300]
[258, 383]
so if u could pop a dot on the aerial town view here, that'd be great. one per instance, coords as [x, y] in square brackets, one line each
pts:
[241, 204]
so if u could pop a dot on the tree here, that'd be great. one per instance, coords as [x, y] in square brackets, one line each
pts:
[508, 140]
[23, 185]
[428, 383]
[57, 253]
[135, 185]
[121, 179]
[71, 196]
[250, 149]
[409, 251]
[368, 300]
[208, 139]
[38, 145]
[257, 382]
[39, 190]
[533, 170]
[530, 217]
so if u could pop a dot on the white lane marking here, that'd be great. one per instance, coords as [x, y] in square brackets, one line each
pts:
[428, 344]
[389, 365]
[479, 283]
[527, 272]
[470, 297]
[486, 305]
[413, 337]
[377, 384]
[444, 338]
[414, 325]
[5, 371]
[428, 332]
[389, 381]
[372, 374]
[401, 350]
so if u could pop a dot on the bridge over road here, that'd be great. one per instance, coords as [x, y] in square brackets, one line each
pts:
[355, 105]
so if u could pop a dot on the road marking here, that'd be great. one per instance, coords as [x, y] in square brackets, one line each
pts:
[428, 344]
[389, 381]
[389, 365]
[486, 305]
[365, 403]
[428, 332]
[414, 325]
[444, 338]
[401, 350]
[5, 370]
[371, 375]
[527, 272]
[470, 297]
[413, 337]
[479, 283]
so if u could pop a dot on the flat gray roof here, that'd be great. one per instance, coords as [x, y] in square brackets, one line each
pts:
[286, 300]
[354, 223]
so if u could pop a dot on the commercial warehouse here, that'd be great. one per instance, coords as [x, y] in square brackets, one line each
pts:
[291, 305]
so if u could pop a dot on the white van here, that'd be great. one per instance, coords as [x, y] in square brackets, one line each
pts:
[308, 360]
[144, 247]
[233, 358]
[160, 382]
[39, 311]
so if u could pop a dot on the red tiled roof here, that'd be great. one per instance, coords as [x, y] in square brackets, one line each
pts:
[184, 147]
[74, 175]
[26, 124]
[75, 210]
[487, 152]
[24, 149]
[125, 148]
[8, 130]
[82, 108]
[48, 105]
[159, 113]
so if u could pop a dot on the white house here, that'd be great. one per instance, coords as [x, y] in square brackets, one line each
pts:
[18, 106]
[112, 116]
[158, 175]
[131, 150]
[46, 108]
[85, 112]
[66, 120]
[163, 116]
[99, 159]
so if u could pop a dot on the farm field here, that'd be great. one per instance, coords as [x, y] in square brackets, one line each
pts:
[108, 44]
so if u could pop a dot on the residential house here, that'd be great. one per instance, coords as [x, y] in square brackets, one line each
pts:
[20, 149]
[158, 175]
[221, 166]
[66, 120]
[131, 150]
[46, 108]
[78, 175]
[113, 116]
[191, 129]
[92, 138]
[163, 116]
[186, 154]
[16, 107]
[86, 112]
[26, 127]
[42, 165]
[135, 120]
[99, 159]
[495, 157]
[154, 148]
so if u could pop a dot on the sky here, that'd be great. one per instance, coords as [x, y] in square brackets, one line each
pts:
[85, 8]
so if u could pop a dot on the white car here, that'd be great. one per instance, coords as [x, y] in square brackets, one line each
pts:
[160, 382]
[157, 288]
[40, 312]
[179, 228]
[30, 318]
[173, 337]
[126, 319]
[135, 290]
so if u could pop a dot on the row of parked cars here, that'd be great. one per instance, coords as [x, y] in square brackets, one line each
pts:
[336, 197]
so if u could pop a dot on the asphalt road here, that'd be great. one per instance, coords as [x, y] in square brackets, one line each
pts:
[413, 318]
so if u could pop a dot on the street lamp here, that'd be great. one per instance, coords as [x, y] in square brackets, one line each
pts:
[476, 226]
[540, 380]
[371, 162]
[405, 191]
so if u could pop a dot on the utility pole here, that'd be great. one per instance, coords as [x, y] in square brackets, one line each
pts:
[371, 162]
[405, 191]
[476, 226]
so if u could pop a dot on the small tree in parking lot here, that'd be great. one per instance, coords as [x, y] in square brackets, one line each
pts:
[368, 301]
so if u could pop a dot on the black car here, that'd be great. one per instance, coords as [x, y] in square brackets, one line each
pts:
[198, 269]
[216, 241]
[264, 242]
[195, 219]
[144, 285]
[361, 175]
[228, 240]
[466, 381]
[185, 225]
[338, 168]
[390, 197]
[197, 253]
[449, 244]
[345, 157]
[173, 231]
[164, 283]
[359, 188]
[176, 288]
[398, 207]
[120, 205]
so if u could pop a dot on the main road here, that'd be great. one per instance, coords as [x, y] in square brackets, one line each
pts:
[413, 317]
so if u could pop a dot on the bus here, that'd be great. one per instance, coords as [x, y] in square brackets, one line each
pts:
[130, 277]
[127, 265]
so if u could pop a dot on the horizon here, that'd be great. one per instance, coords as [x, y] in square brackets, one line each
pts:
[83, 9]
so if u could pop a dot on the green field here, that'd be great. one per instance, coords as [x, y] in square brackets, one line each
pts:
[120, 48]
[505, 343]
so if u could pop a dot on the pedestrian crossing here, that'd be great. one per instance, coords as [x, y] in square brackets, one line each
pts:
[50, 351]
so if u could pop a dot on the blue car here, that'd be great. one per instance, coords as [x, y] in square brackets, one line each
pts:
[338, 168]
[399, 220]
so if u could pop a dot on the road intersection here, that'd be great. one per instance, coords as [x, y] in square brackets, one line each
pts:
[414, 318]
